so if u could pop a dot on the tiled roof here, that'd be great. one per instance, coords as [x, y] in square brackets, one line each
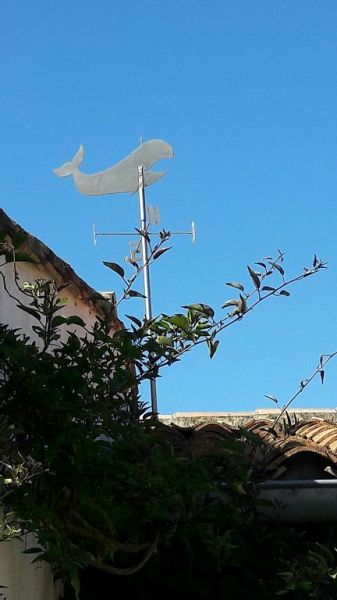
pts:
[43, 253]
[320, 432]
[46, 256]
[277, 450]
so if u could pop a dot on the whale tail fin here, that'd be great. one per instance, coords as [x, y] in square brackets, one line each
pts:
[69, 167]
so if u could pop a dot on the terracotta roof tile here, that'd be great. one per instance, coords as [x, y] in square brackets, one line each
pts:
[312, 439]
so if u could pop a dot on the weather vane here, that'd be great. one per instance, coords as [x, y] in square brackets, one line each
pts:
[130, 175]
[121, 177]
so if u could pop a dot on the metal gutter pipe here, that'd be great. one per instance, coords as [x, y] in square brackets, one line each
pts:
[299, 500]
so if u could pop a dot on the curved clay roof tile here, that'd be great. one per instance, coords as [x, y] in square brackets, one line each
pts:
[216, 428]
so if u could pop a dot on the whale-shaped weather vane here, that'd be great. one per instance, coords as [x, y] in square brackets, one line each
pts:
[129, 176]
[121, 177]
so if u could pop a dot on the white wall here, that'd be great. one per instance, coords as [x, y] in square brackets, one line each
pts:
[13, 316]
[24, 580]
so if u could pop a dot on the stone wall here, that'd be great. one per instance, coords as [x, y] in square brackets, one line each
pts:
[239, 418]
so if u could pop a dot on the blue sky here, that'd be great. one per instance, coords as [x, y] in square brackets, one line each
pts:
[245, 91]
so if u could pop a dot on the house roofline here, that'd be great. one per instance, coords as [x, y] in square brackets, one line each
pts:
[45, 255]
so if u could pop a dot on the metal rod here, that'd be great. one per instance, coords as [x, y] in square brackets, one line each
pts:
[146, 271]
[156, 233]
[118, 233]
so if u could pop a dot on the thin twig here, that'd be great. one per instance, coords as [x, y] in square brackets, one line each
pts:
[304, 384]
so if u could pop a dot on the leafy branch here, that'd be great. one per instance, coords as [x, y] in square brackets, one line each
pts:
[155, 252]
[163, 340]
[172, 336]
[319, 370]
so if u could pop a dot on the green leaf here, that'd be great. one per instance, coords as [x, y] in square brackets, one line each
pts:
[268, 288]
[75, 320]
[242, 305]
[163, 325]
[277, 267]
[31, 311]
[237, 487]
[40, 558]
[115, 267]
[272, 398]
[213, 346]
[58, 320]
[134, 294]
[284, 293]
[322, 375]
[235, 284]
[204, 309]
[160, 251]
[164, 341]
[180, 321]
[39, 330]
[32, 550]
[230, 303]
[134, 320]
[255, 277]
[203, 326]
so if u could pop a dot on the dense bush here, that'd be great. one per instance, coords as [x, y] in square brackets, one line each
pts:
[116, 500]
[125, 499]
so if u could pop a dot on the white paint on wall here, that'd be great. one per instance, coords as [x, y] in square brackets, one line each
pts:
[24, 580]
[13, 316]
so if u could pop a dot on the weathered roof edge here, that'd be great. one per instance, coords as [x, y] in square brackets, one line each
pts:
[46, 255]
[239, 418]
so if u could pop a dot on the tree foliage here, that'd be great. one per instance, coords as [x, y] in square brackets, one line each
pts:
[105, 486]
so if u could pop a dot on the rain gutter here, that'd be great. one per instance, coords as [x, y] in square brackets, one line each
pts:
[299, 500]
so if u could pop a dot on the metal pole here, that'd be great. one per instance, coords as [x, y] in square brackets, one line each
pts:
[147, 289]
